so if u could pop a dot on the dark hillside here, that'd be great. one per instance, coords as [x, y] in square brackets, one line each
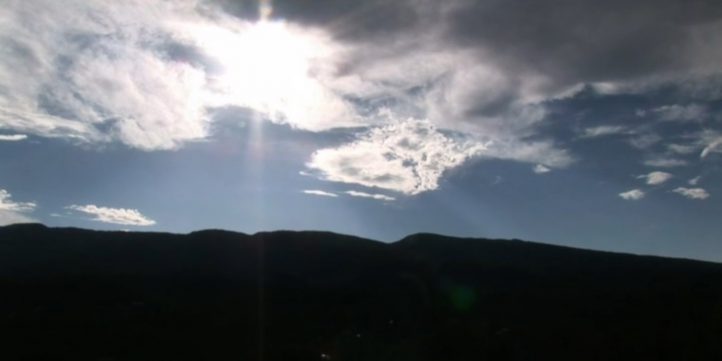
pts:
[73, 294]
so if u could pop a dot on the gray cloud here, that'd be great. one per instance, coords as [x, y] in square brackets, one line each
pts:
[603, 130]
[573, 41]
[346, 19]
[664, 162]
[681, 113]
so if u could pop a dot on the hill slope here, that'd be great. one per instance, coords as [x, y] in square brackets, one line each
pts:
[215, 295]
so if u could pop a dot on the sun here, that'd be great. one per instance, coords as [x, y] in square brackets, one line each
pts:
[269, 66]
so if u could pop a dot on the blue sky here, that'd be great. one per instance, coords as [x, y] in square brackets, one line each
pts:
[569, 127]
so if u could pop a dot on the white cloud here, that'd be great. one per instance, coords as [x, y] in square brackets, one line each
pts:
[692, 193]
[632, 195]
[694, 181]
[645, 141]
[317, 192]
[12, 137]
[93, 71]
[541, 169]
[603, 130]
[712, 145]
[682, 148]
[681, 113]
[14, 212]
[408, 157]
[665, 162]
[381, 197]
[123, 216]
[655, 178]
[7, 204]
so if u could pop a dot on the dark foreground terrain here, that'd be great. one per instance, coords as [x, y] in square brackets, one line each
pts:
[72, 294]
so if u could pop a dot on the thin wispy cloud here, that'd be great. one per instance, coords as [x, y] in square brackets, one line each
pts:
[692, 193]
[603, 130]
[122, 216]
[681, 113]
[318, 192]
[682, 148]
[12, 137]
[663, 162]
[380, 197]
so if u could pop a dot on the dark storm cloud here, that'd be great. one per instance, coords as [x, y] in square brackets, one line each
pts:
[585, 41]
[346, 19]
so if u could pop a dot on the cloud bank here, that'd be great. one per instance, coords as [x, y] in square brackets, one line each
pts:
[477, 77]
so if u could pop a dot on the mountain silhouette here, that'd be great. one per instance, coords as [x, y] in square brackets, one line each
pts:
[74, 294]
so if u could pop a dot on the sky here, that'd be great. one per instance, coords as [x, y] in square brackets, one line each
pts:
[573, 122]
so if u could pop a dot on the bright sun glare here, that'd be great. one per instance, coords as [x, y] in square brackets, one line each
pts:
[270, 67]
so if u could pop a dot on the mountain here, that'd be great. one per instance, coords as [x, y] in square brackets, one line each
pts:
[73, 294]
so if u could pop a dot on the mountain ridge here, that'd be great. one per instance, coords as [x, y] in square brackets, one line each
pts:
[75, 294]
[405, 239]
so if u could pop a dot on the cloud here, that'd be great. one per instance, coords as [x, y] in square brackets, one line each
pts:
[94, 71]
[665, 162]
[12, 211]
[7, 204]
[694, 181]
[12, 137]
[681, 148]
[541, 169]
[122, 216]
[655, 178]
[146, 74]
[645, 141]
[692, 193]
[632, 195]
[570, 41]
[317, 192]
[681, 113]
[381, 197]
[481, 73]
[603, 130]
[712, 144]
[407, 157]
